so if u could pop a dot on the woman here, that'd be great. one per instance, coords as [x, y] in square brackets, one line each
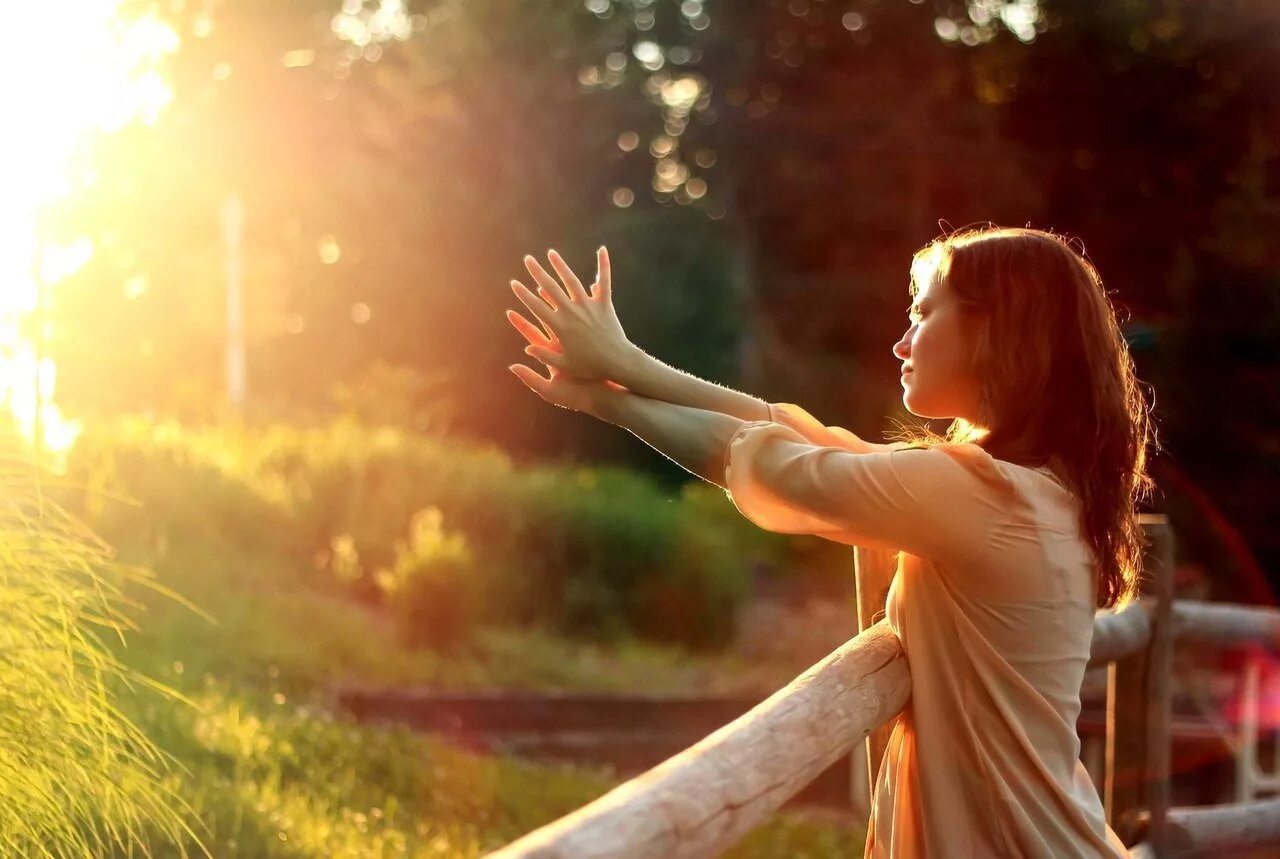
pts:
[1013, 529]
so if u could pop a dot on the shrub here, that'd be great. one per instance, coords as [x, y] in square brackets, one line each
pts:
[593, 552]
[431, 587]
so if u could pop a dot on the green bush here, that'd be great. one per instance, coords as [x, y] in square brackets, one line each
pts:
[598, 553]
[431, 587]
[149, 487]
[695, 602]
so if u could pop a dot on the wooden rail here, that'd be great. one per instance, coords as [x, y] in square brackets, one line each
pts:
[699, 802]
[1221, 830]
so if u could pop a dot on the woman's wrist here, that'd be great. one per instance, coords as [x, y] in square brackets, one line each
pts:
[605, 401]
[629, 366]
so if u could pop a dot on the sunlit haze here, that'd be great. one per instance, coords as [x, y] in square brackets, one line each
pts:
[94, 73]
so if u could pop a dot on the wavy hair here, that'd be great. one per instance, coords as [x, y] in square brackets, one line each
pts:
[1056, 381]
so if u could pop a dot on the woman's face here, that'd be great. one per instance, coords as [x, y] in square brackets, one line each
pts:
[936, 351]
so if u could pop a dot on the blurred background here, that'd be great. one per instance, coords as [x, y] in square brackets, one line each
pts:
[254, 261]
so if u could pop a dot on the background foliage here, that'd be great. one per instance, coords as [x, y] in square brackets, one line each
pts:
[761, 172]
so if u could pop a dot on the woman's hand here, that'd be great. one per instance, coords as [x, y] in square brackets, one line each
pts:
[568, 392]
[583, 337]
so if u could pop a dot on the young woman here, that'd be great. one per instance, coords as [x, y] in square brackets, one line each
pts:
[1012, 529]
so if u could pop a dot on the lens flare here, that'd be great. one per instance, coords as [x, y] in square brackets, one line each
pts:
[66, 79]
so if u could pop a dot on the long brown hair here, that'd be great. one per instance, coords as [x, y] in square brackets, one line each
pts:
[1057, 383]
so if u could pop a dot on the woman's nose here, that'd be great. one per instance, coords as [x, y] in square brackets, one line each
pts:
[902, 348]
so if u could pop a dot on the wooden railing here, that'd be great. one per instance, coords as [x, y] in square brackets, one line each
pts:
[699, 802]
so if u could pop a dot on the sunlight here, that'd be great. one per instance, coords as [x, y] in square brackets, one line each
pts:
[65, 79]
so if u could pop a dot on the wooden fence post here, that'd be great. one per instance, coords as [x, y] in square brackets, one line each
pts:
[1138, 706]
[873, 571]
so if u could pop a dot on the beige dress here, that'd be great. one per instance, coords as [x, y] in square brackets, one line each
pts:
[993, 602]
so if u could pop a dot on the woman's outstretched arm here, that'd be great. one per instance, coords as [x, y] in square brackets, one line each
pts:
[642, 373]
[784, 483]
[694, 439]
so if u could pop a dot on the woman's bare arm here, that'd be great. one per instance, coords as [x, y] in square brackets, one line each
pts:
[643, 374]
[693, 438]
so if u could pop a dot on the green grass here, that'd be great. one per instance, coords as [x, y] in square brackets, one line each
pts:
[79, 776]
[274, 774]
[272, 778]
[270, 771]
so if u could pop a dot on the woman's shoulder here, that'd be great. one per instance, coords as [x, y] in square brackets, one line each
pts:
[956, 458]
[962, 459]
[967, 463]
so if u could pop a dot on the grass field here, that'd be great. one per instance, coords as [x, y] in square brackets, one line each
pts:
[271, 771]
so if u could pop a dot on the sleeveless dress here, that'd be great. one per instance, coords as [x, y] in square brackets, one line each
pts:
[993, 602]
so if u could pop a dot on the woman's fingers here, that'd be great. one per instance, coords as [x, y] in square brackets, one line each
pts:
[530, 378]
[537, 306]
[531, 332]
[571, 282]
[548, 351]
[545, 280]
[603, 288]
[547, 356]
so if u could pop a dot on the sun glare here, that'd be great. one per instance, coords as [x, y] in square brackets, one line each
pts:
[66, 79]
